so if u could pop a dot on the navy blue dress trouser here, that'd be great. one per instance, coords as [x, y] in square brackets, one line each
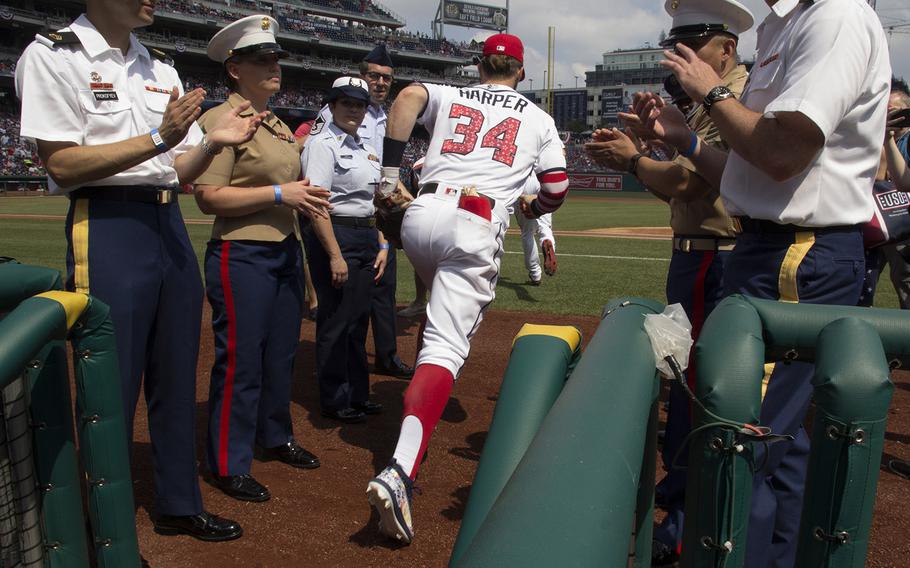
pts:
[382, 314]
[824, 266]
[694, 280]
[137, 258]
[343, 317]
[256, 293]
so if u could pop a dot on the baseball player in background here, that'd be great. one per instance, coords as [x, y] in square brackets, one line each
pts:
[540, 229]
[485, 141]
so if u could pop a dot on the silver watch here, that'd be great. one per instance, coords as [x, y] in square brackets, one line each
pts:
[716, 95]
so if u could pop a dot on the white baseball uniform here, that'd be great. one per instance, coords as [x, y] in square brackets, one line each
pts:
[493, 139]
[541, 228]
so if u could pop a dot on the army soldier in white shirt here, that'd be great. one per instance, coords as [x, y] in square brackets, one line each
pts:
[805, 144]
[118, 135]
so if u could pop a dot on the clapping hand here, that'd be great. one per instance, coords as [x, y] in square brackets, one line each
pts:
[654, 119]
[612, 148]
[232, 129]
[179, 115]
[308, 200]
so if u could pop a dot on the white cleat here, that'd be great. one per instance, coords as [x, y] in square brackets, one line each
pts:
[390, 494]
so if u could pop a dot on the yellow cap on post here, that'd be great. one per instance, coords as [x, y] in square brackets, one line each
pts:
[73, 303]
[567, 333]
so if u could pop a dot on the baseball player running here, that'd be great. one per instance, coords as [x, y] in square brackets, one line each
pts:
[485, 141]
[542, 229]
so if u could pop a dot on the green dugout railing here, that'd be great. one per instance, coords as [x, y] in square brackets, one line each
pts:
[579, 491]
[851, 348]
[572, 498]
[32, 335]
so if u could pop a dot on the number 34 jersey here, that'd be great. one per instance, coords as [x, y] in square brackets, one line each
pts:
[489, 137]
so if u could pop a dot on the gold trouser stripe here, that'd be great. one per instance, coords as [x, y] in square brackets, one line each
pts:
[786, 280]
[787, 286]
[567, 333]
[73, 304]
[769, 368]
[80, 246]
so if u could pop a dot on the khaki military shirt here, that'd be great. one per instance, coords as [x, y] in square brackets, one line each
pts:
[705, 215]
[271, 157]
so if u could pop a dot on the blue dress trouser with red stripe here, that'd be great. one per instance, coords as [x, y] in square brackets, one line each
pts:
[140, 263]
[344, 315]
[694, 280]
[256, 293]
[831, 272]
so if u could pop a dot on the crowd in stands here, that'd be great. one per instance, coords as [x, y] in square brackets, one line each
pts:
[17, 158]
[300, 21]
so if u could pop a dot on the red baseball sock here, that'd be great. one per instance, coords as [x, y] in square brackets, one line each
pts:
[424, 402]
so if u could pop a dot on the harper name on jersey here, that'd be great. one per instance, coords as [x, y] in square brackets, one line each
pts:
[484, 96]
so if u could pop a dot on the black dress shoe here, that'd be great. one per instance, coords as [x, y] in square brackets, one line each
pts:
[346, 415]
[293, 455]
[242, 487]
[367, 407]
[397, 369]
[204, 526]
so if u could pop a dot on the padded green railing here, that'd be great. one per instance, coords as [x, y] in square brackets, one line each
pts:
[572, 499]
[31, 343]
[538, 367]
[851, 348]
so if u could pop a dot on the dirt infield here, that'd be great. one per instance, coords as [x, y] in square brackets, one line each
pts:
[321, 517]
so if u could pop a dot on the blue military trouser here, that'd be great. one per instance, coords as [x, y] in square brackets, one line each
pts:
[343, 316]
[695, 280]
[256, 293]
[824, 266]
[382, 314]
[137, 258]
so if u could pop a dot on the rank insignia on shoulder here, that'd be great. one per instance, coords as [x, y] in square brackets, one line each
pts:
[58, 39]
[160, 55]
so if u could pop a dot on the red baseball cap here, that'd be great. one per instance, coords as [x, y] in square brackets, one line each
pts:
[504, 44]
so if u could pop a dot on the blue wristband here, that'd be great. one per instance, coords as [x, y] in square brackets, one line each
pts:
[277, 189]
[693, 144]
[158, 141]
[383, 246]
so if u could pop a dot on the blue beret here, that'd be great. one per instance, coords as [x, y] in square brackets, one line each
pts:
[379, 56]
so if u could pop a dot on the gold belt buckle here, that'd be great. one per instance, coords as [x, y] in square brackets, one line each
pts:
[685, 245]
[164, 196]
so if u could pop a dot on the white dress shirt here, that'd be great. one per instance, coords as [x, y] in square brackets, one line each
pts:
[93, 94]
[829, 61]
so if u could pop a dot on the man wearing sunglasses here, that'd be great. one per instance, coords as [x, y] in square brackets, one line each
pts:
[703, 233]
[377, 70]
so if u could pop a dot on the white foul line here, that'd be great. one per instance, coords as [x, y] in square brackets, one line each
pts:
[607, 257]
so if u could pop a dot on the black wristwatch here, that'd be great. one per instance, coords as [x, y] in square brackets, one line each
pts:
[716, 95]
[633, 164]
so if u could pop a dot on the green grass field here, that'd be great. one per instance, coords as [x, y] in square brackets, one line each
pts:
[591, 270]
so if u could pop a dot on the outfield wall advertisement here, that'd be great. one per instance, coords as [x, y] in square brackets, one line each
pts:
[475, 16]
[604, 182]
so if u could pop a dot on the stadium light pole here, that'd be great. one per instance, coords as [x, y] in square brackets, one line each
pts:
[576, 81]
[532, 83]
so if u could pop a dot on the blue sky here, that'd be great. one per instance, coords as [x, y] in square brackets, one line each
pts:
[587, 28]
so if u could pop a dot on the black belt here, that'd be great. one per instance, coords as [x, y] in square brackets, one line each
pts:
[749, 225]
[689, 243]
[432, 187]
[362, 222]
[134, 193]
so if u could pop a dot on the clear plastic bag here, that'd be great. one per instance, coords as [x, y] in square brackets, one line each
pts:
[671, 334]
